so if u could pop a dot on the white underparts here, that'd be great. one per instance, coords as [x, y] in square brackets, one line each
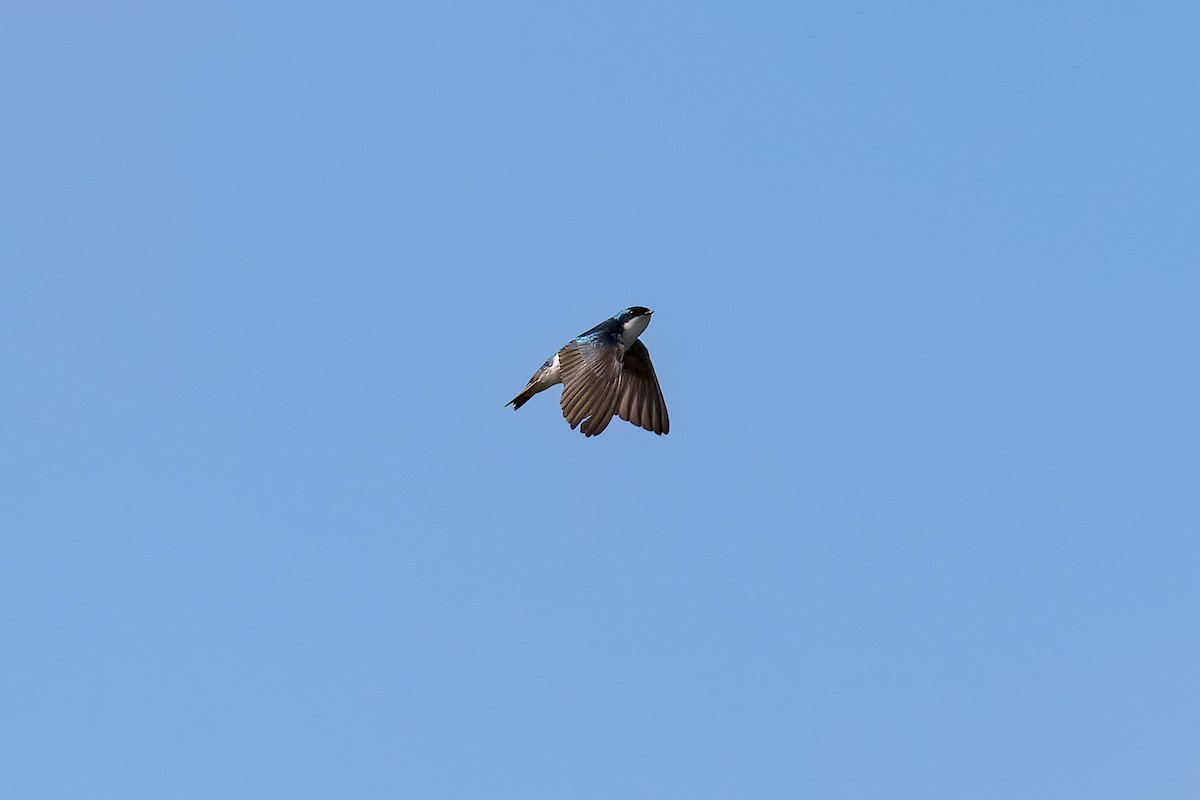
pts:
[633, 329]
[547, 376]
[553, 373]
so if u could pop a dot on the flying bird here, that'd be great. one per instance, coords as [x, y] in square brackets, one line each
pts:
[604, 371]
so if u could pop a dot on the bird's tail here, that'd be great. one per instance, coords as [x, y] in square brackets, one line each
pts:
[522, 398]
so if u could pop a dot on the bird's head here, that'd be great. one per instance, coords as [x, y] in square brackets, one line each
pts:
[633, 321]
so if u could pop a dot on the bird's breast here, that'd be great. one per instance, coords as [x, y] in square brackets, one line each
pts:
[631, 330]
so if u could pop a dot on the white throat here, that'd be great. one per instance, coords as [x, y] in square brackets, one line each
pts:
[633, 329]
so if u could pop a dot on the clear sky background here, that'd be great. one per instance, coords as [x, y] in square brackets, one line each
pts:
[927, 282]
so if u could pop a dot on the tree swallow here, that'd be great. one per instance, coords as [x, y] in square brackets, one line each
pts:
[605, 371]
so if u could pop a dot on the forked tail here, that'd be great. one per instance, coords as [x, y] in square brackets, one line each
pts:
[522, 398]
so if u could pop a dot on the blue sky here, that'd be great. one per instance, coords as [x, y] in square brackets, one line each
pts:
[926, 282]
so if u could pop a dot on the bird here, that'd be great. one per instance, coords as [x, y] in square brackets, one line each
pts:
[604, 371]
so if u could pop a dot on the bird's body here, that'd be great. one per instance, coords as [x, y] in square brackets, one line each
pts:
[605, 371]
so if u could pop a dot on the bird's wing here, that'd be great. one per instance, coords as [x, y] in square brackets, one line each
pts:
[591, 375]
[640, 399]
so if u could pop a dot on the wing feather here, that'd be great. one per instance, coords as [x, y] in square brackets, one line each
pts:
[591, 372]
[641, 399]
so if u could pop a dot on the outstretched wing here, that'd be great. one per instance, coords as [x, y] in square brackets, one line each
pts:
[591, 375]
[640, 399]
